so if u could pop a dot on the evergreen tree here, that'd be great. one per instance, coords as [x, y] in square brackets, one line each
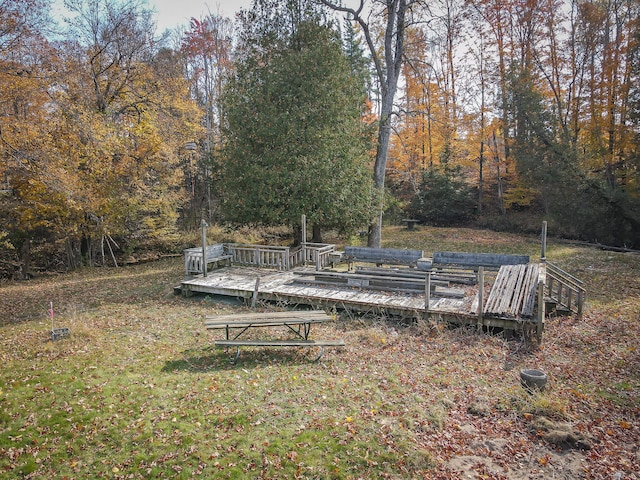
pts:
[443, 197]
[360, 63]
[292, 121]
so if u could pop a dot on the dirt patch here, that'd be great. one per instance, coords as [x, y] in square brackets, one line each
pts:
[561, 434]
[488, 459]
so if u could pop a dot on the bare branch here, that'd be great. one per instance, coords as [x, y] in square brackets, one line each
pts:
[356, 16]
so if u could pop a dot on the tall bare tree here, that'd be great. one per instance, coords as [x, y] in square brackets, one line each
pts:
[207, 48]
[388, 67]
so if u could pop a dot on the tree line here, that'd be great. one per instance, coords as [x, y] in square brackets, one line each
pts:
[114, 135]
[520, 110]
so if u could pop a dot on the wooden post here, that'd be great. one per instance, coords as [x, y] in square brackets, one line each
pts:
[540, 325]
[427, 293]
[543, 253]
[204, 246]
[580, 301]
[560, 285]
[304, 228]
[480, 297]
[303, 240]
[254, 299]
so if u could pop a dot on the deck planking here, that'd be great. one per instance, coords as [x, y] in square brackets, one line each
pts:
[280, 287]
[513, 293]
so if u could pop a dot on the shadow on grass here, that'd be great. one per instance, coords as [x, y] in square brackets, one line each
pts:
[198, 364]
[211, 359]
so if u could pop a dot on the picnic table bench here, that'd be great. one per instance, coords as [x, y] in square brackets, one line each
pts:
[411, 222]
[298, 322]
[452, 276]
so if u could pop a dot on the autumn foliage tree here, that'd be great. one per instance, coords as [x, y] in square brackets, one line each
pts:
[26, 66]
[91, 150]
[531, 100]
[532, 104]
[130, 112]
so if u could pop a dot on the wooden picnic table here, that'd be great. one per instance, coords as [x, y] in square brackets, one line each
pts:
[298, 322]
[411, 222]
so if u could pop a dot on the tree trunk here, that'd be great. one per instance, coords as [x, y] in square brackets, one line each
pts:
[25, 259]
[393, 53]
[481, 175]
[379, 170]
[72, 254]
[297, 235]
[317, 234]
[482, 127]
[86, 251]
[387, 72]
[499, 176]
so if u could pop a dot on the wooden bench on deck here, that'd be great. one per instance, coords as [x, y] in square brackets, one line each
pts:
[382, 256]
[450, 262]
[379, 279]
[475, 260]
[214, 254]
[298, 322]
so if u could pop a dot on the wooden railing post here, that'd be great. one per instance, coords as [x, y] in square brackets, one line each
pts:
[543, 253]
[303, 227]
[560, 285]
[204, 226]
[427, 293]
[580, 301]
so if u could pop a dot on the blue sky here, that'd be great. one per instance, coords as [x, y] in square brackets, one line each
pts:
[172, 13]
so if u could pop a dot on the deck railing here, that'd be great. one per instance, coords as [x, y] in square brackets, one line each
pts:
[565, 289]
[296, 256]
[317, 254]
[280, 258]
[261, 256]
[193, 260]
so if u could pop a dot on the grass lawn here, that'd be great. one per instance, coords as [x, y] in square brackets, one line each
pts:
[137, 391]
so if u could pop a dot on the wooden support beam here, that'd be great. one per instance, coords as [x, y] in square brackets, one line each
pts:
[254, 298]
[204, 226]
[480, 297]
[540, 324]
[543, 253]
[427, 293]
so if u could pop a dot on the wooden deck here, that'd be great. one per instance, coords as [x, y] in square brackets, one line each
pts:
[281, 288]
[514, 291]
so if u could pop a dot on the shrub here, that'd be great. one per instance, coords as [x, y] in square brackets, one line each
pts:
[443, 198]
